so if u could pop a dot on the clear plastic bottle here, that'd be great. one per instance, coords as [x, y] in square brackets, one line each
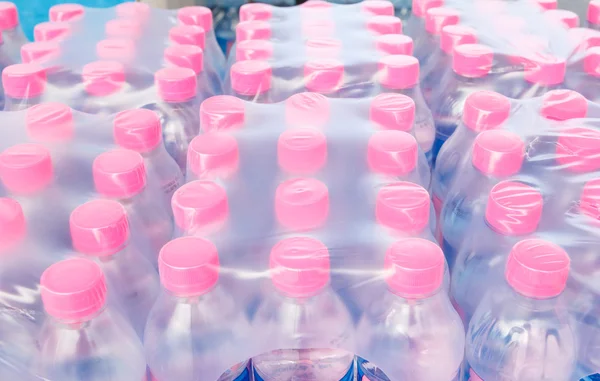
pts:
[380, 25]
[585, 76]
[24, 86]
[68, 12]
[436, 18]
[415, 25]
[222, 113]
[52, 31]
[192, 57]
[324, 76]
[542, 73]
[252, 81]
[12, 33]
[593, 15]
[83, 339]
[104, 88]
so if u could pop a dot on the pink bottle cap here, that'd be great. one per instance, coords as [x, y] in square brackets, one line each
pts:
[316, 5]
[498, 153]
[200, 206]
[583, 39]
[103, 78]
[123, 28]
[99, 228]
[137, 130]
[253, 30]
[485, 110]
[563, 17]
[591, 62]
[299, 266]
[12, 224]
[9, 16]
[384, 25]
[222, 112]
[136, 10]
[378, 7]
[307, 110]
[455, 35]
[213, 155]
[50, 122]
[393, 112]
[537, 269]
[403, 206]
[317, 28]
[73, 290]
[251, 78]
[590, 199]
[394, 44]
[66, 12]
[414, 268]
[593, 13]
[302, 204]
[302, 151]
[325, 75]
[40, 52]
[116, 49]
[261, 50]
[256, 12]
[26, 169]
[547, 4]
[119, 173]
[392, 153]
[420, 7]
[185, 56]
[187, 35]
[514, 208]
[437, 18]
[578, 149]
[545, 70]
[24, 81]
[189, 266]
[323, 48]
[52, 31]
[176, 84]
[472, 60]
[399, 72]
[196, 16]
[563, 105]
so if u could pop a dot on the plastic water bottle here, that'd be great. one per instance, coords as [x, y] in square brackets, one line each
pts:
[52, 31]
[530, 307]
[435, 20]
[563, 105]
[251, 81]
[593, 15]
[324, 76]
[222, 113]
[192, 57]
[585, 77]
[415, 25]
[412, 331]
[12, 34]
[68, 12]
[104, 88]
[189, 332]
[84, 339]
[384, 24]
[543, 73]
[547, 4]
[302, 152]
[213, 156]
[24, 86]
[562, 17]
[315, 347]
[261, 50]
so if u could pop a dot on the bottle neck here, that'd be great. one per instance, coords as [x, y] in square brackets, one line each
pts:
[18, 104]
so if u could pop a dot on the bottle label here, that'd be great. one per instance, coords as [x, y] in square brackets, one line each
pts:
[592, 377]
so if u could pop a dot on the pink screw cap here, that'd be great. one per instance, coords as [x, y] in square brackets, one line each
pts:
[485, 110]
[537, 269]
[52, 31]
[256, 12]
[472, 60]
[189, 266]
[437, 18]
[563, 105]
[593, 13]
[307, 109]
[99, 228]
[40, 52]
[253, 30]
[316, 6]
[455, 35]
[9, 16]
[325, 75]
[185, 56]
[299, 266]
[399, 72]
[563, 17]
[403, 206]
[420, 7]
[547, 4]
[200, 207]
[24, 81]
[384, 25]
[103, 78]
[392, 153]
[514, 208]
[197, 16]
[378, 7]
[176, 84]
[393, 112]
[545, 70]
[136, 10]
[123, 28]
[119, 173]
[66, 12]
[591, 62]
[261, 50]
[302, 151]
[590, 199]
[116, 49]
[578, 149]
[222, 112]
[187, 35]
[414, 268]
[12, 224]
[323, 47]
[138, 130]
[50, 122]
[26, 169]
[251, 78]
[73, 290]
[302, 204]
[498, 153]
[213, 155]
[394, 44]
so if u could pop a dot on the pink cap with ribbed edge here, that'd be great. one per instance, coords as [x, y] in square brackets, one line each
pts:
[485, 110]
[116, 49]
[52, 31]
[403, 206]
[12, 224]
[73, 290]
[563, 17]
[302, 151]
[138, 130]
[545, 69]
[563, 105]
[9, 16]
[251, 77]
[472, 60]
[50, 122]
[437, 18]
[393, 112]
[136, 10]
[498, 153]
[222, 112]
[66, 12]
[256, 12]
[514, 208]
[384, 25]
[99, 228]
[455, 35]
[420, 7]
[299, 266]
[537, 269]
[394, 44]
[187, 35]
[591, 62]
[197, 16]
[175, 84]
[324, 75]
[399, 72]
[253, 30]
[119, 173]
[213, 155]
[392, 153]
[302, 204]
[414, 268]
[40, 52]
[185, 56]
[103, 78]
[188, 266]
[590, 199]
[253, 50]
[26, 169]
[199, 205]
[323, 47]
[307, 110]
[23, 81]
[317, 28]
[378, 7]
[123, 28]
[593, 13]
[547, 4]
[578, 149]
